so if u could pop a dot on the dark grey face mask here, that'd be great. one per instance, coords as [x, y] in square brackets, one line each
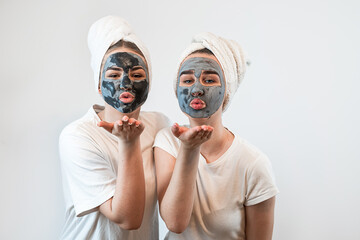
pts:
[124, 94]
[212, 96]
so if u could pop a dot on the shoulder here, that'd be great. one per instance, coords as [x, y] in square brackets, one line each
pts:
[167, 141]
[256, 163]
[248, 153]
[78, 131]
[166, 133]
[78, 128]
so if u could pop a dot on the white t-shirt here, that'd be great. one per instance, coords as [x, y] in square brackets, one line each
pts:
[242, 176]
[89, 156]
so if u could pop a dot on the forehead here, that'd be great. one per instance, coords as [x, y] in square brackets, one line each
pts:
[123, 50]
[200, 61]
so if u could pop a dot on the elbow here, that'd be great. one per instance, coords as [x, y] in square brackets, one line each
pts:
[177, 226]
[130, 225]
[129, 222]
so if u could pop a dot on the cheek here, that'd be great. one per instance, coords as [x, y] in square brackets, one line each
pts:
[215, 92]
[183, 95]
[141, 86]
[215, 96]
[108, 88]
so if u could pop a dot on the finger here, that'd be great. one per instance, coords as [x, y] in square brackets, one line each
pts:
[183, 129]
[193, 132]
[204, 130]
[106, 125]
[207, 134]
[125, 121]
[118, 126]
[141, 126]
[175, 129]
[137, 123]
[208, 130]
[204, 127]
[201, 133]
[131, 123]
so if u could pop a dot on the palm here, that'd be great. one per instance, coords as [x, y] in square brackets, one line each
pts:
[192, 137]
[126, 129]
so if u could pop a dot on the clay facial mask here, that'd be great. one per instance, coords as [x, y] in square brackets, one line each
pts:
[200, 87]
[124, 81]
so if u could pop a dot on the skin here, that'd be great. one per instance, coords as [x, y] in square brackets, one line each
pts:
[176, 178]
[124, 73]
[126, 207]
[200, 79]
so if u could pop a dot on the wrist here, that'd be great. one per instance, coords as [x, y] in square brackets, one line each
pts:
[190, 148]
[129, 142]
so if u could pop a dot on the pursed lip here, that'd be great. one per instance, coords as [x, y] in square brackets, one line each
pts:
[197, 104]
[126, 97]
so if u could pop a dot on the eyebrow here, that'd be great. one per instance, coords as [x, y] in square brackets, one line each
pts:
[137, 67]
[187, 72]
[210, 72]
[114, 68]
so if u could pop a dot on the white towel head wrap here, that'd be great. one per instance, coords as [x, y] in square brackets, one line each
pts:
[104, 33]
[230, 55]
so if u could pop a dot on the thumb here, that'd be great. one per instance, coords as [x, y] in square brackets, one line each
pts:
[175, 129]
[106, 125]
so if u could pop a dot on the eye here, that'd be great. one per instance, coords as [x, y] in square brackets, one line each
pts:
[114, 76]
[188, 81]
[137, 74]
[209, 81]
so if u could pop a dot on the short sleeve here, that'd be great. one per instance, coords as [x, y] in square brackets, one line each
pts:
[167, 142]
[162, 122]
[261, 183]
[89, 176]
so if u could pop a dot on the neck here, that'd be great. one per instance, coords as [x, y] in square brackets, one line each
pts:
[110, 114]
[220, 139]
[219, 133]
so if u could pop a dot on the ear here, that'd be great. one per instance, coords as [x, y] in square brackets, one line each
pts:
[99, 89]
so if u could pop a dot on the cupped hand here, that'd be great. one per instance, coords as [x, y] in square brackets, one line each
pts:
[192, 137]
[127, 129]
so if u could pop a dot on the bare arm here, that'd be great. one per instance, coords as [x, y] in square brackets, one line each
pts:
[260, 220]
[176, 179]
[126, 207]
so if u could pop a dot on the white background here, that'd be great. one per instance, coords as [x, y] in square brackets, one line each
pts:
[299, 101]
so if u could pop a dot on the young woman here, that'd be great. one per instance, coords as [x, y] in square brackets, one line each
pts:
[106, 156]
[212, 184]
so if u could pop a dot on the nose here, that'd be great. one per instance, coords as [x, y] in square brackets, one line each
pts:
[197, 93]
[197, 90]
[125, 84]
[126, 88]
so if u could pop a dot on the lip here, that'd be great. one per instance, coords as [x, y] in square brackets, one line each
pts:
[197, 104]
[126, 97]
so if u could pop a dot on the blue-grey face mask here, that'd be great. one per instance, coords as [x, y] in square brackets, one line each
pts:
[197, 100]
[123, 91]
